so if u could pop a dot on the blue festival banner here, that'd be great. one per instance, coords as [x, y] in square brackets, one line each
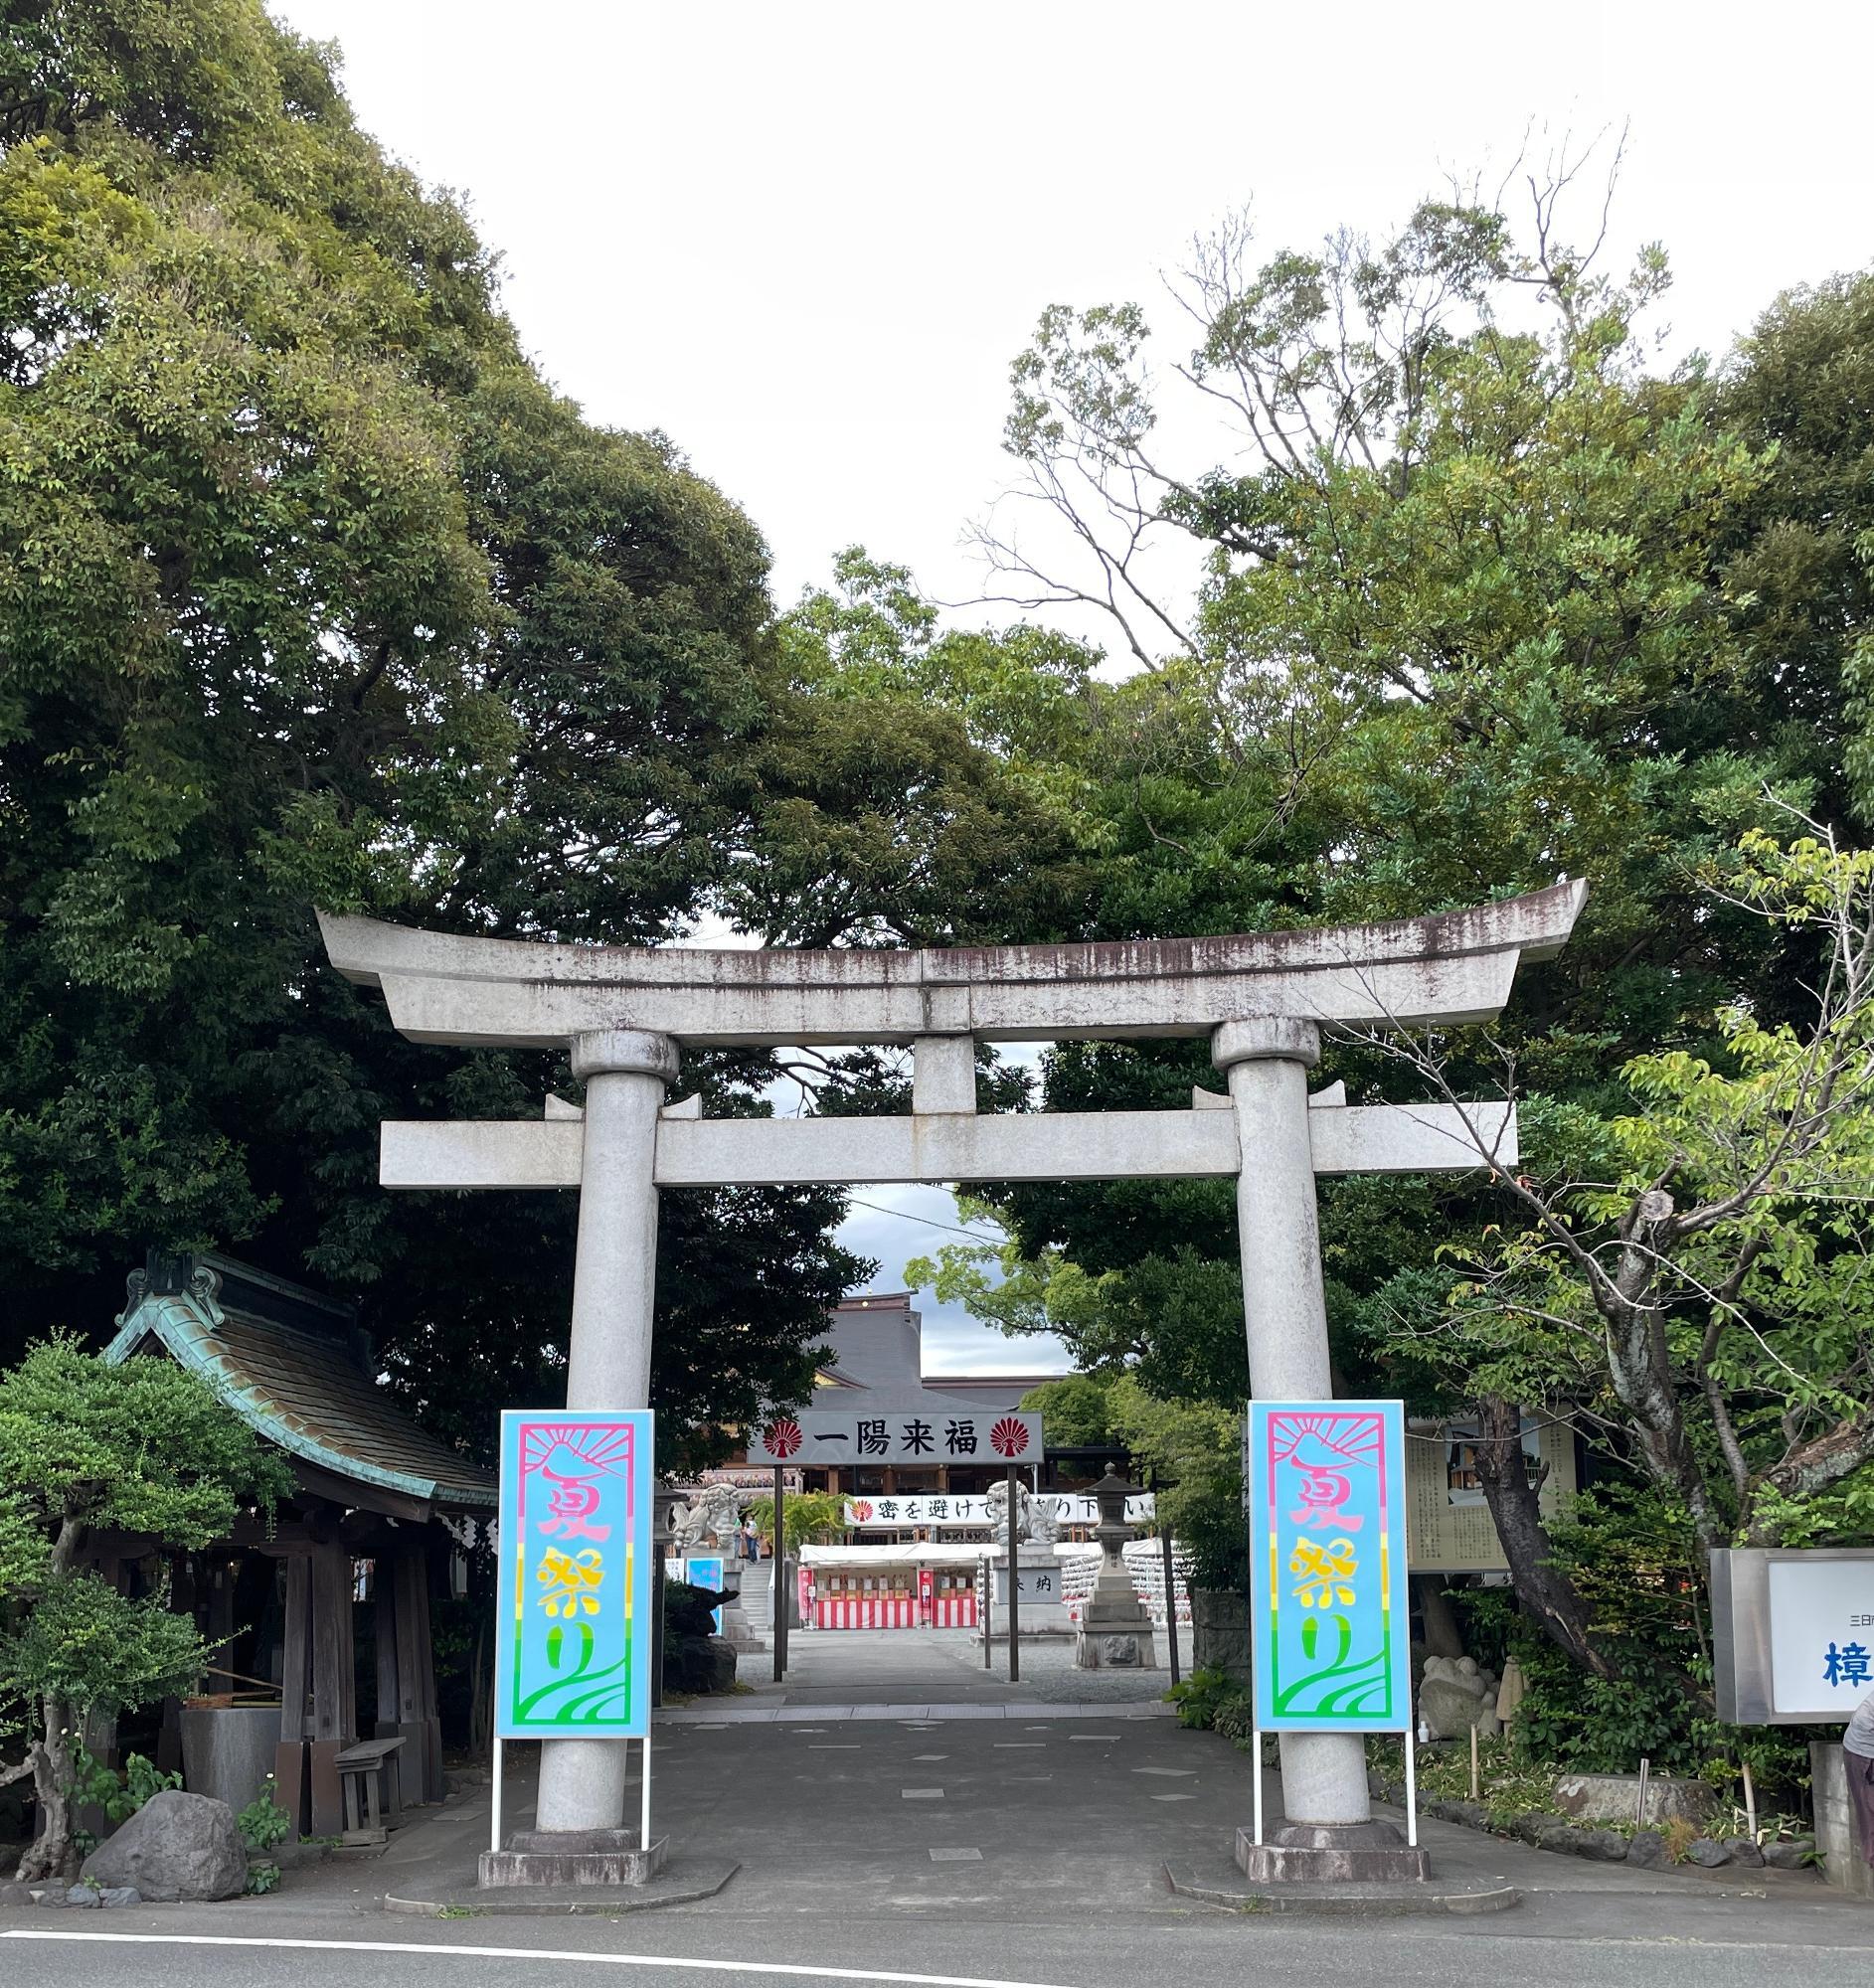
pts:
[1327, 1567]
[706, 1570]
[572, 1618]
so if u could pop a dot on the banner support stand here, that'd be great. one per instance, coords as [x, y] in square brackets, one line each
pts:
[644, 1812]
[1256, 1755]
[1411, 1789]
[494, 1789]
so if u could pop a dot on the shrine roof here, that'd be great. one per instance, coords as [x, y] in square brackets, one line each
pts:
[290, 1366]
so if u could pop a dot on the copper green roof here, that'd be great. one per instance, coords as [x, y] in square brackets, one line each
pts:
[302, 1391]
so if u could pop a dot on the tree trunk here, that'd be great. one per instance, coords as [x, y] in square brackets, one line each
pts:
[54, 1853]
[1442, 1638]
[1545, 1591]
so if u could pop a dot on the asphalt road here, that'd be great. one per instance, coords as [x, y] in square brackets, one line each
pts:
[1207, 1951]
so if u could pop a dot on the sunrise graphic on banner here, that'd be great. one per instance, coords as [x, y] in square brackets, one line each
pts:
[1327, 1573]
[573, 1619]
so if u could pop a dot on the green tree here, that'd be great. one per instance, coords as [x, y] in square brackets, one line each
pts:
[142, 1449]
[312, 593]
[1075, 1412]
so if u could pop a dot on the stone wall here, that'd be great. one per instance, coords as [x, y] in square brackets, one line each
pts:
[1220, 1633]
[1845, 1864]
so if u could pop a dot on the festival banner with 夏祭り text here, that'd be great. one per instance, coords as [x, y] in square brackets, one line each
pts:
[572, 1621]
[1327, 1567]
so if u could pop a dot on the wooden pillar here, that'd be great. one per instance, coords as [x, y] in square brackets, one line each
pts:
[435, 1786]
[289, 1760]
[390, 1719]
[334, 1686]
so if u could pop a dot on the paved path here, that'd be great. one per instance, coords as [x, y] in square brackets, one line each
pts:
[997, 1849]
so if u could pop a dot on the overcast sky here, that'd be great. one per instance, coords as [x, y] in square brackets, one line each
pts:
[806, 239]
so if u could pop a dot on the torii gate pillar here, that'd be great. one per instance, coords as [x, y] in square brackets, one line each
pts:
[1285, 1315]
[608, 1355]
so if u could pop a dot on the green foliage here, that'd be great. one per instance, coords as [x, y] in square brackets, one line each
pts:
[143, 1448]
[120, 1795]
[263, 1824]
[1074, 1410]
[261, 1879]
[1198, 1696]
[311, 591]
[814, 1518]
[1511, 1784]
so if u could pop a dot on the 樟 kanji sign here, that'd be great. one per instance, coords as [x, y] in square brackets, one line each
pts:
[1793, 1633]
[574, 1614]
[880, 1433]
[1327, 1565]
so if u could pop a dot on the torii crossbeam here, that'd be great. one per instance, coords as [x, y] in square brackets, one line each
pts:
[1261, 998]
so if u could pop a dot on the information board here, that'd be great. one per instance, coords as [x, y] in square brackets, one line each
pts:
[1328, 1576]
[572, 1623]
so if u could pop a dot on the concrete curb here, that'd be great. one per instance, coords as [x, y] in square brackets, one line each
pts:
[1400, 1900]
[693, 1880]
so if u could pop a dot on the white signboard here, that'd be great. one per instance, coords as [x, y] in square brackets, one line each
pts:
[940, 1510]
[872, 1431]
[1794, 1634]
[1822, 1636]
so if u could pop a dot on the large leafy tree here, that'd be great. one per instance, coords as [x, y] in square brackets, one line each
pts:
[1488, 599]
[311, 591]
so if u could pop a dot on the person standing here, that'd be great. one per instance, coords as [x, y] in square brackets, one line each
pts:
[1857, 1747]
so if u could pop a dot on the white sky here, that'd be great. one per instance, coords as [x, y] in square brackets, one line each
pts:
[806, 239]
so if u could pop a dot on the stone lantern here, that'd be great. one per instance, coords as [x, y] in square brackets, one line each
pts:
[1114, 1633]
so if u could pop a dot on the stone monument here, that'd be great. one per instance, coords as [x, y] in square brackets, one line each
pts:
[1115, 1632]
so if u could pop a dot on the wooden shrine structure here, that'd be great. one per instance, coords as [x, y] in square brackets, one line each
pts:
[379, 1514]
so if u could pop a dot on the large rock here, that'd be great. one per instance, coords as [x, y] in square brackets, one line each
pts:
[176, 1846]
[1616, 1798]
[1790, 1853]
[1449, 1708]
[1707, 1854]
[1647, 1849]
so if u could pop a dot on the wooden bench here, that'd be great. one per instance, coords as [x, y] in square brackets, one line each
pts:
[362, 1779]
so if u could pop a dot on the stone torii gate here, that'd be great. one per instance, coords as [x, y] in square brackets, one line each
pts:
[1260, 998]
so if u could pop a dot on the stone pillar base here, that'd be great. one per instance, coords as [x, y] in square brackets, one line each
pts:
[1353, 1853]
[1101, 1643]
[572, 1857]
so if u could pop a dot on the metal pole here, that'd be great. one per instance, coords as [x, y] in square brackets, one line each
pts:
[1640, 1811]
[1477, 1781]
[1171, 1599]
[645, 1813]
[1014, 1584]
[1750, 1801]
[1411, 1789]
[987, 1575]
[780, 1570]
[494, 1827]
[1256, 1757]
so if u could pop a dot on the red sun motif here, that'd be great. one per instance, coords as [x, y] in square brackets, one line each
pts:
[784, 1438]
[1009, 1437]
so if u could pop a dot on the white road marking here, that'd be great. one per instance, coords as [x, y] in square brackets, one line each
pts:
[930, 1756]
[789, 1969]
[1093, 1735]
[1174, 1797]
[922, 1794]
[834, 1746]
[1176, 1773]
[957, 1857]
[1019, 1746]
